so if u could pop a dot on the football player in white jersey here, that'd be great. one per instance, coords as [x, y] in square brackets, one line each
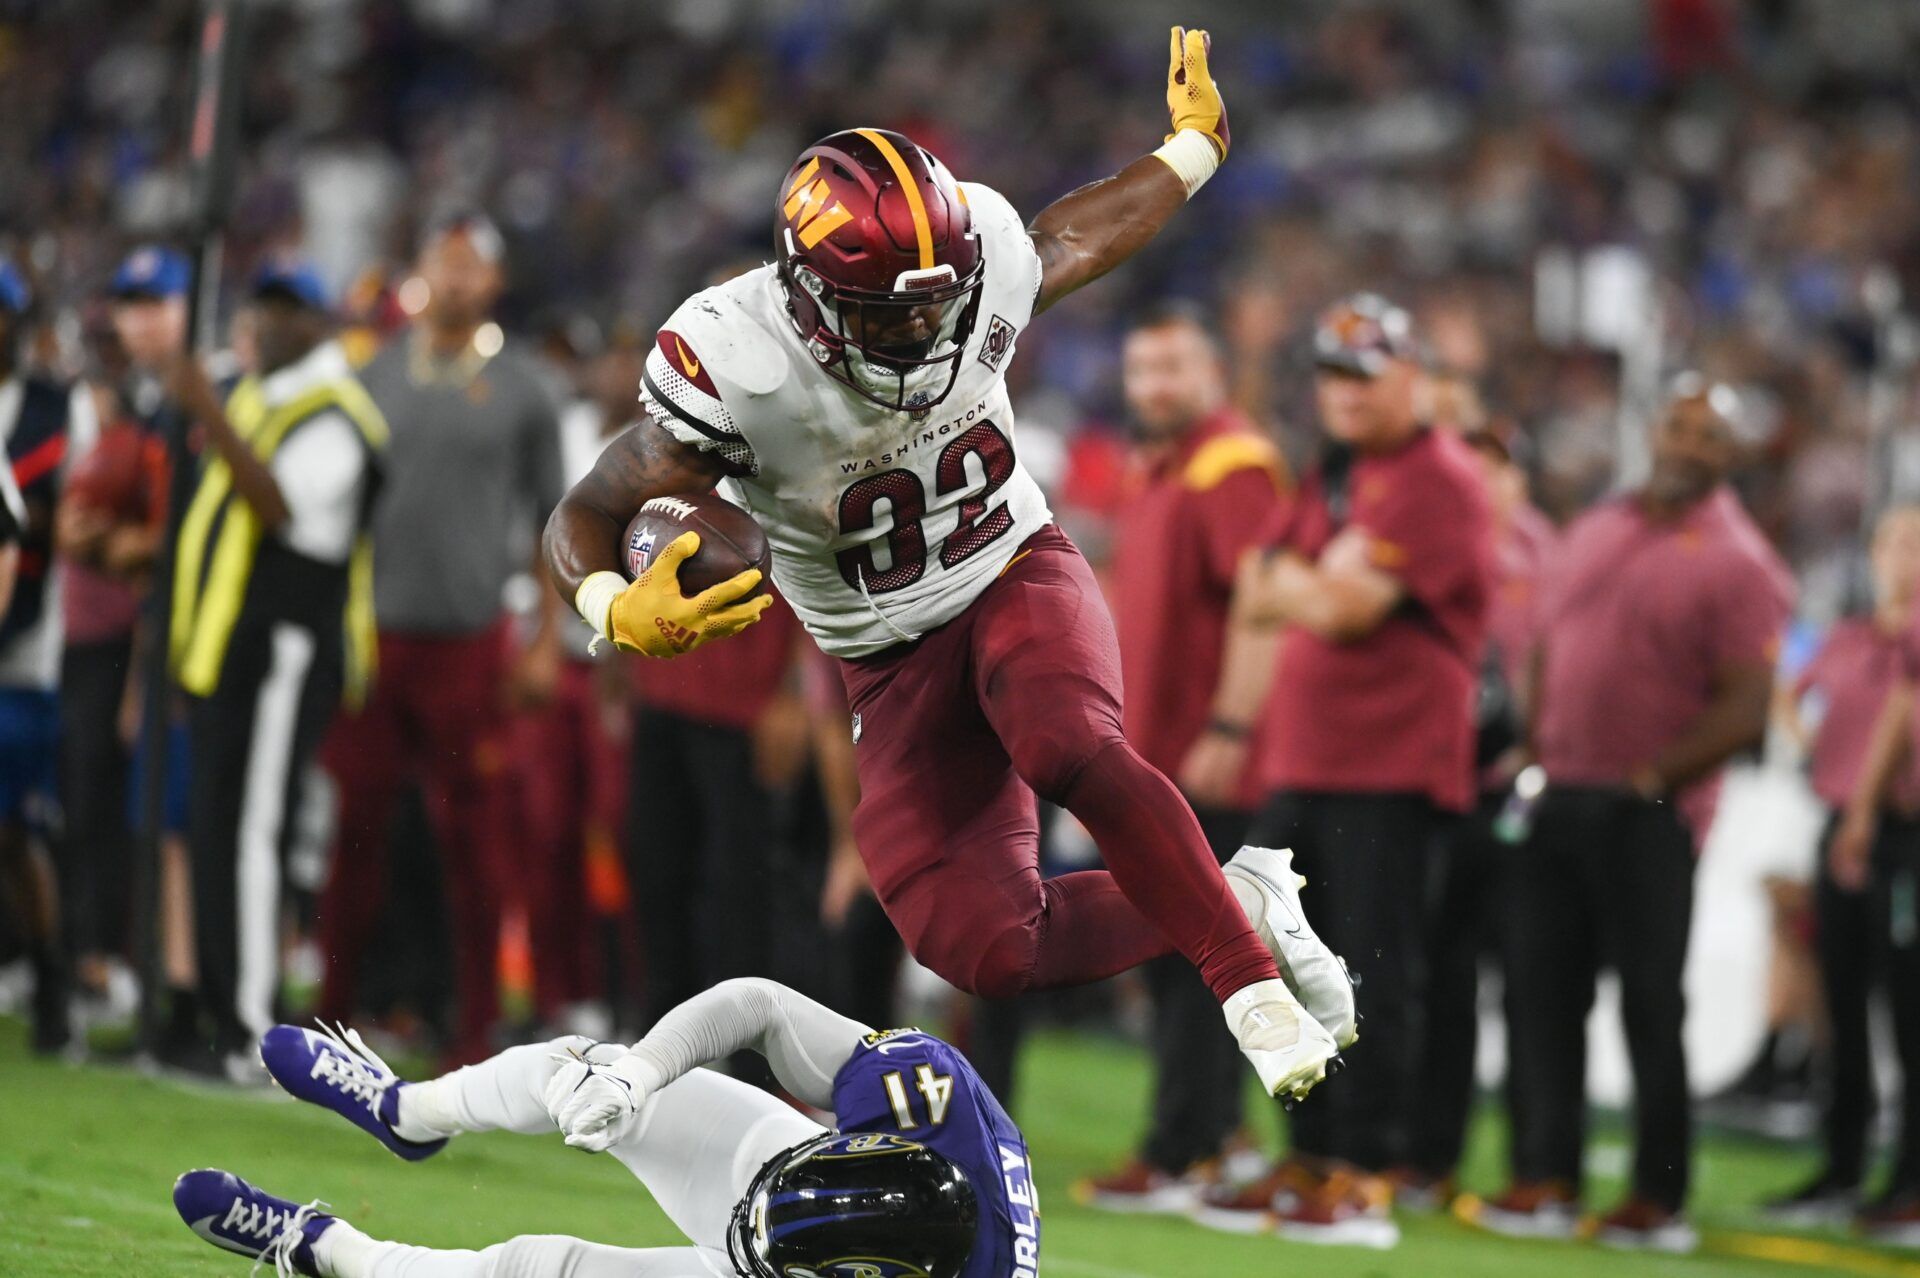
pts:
[852, 396]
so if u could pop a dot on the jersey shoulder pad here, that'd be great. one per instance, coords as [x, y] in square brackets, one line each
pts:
[993, 214]
[1009, 249]
[904, 1050]
[727, 334]
[1224, 455]
[712, 357]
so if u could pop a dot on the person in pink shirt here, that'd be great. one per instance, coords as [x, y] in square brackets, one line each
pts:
[1864, 913]
[1659, 626]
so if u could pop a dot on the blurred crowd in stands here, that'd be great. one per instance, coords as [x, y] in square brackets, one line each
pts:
[1740, 182]
[1758, 156]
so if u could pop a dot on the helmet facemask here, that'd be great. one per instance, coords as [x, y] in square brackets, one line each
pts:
[890, 1204]
[900, 349]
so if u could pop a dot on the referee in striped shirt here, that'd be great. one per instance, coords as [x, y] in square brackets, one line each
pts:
[272, 627]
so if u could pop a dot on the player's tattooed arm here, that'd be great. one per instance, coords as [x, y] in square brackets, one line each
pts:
[643, 462]
[1082, 236]
[1086, 234]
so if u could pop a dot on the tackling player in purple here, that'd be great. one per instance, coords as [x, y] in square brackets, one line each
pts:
[907, 1083]
[925, 1176]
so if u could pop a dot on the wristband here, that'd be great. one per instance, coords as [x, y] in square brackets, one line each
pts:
[1233, 731]
[1192, 156]
[594, 600]
[647, 1067]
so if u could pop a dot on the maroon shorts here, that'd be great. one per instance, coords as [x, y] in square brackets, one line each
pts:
[954, 734]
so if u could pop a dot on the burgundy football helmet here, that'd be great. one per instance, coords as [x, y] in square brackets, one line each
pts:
[881, 267]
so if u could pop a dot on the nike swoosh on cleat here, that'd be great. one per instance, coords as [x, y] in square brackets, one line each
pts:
[1280, 897]
[204, 1227]
[687, 361]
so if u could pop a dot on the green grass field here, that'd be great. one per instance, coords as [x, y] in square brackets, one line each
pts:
[87, 1156]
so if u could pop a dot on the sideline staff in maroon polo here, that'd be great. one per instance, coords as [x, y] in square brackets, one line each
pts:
[1863, 898]
[1660, 625]
[1206, 484]
[1380, 585]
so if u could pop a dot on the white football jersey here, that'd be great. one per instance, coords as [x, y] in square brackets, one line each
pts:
[883, 524]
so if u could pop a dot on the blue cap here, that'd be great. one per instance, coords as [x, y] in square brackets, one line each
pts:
[151, 271]
[293, 277]
[14, 293]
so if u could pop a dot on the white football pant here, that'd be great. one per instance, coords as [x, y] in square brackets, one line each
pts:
[695, 1145]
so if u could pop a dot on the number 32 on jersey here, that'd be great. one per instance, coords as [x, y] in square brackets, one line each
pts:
[906, 494]
[935, 1089]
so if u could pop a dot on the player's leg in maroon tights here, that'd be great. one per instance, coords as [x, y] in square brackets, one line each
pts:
[1046, 669]
[1024, 684]
[983, 918]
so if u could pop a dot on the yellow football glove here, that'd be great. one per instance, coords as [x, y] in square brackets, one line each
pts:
[651, 616]
[1193, 100]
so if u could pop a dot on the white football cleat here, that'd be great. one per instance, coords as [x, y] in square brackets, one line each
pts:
[1264, 883]
[1288, 1048]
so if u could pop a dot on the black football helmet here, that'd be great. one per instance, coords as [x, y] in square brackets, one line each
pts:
[870, 1205]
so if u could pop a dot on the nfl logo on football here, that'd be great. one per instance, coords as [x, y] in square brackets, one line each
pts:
[640, 551]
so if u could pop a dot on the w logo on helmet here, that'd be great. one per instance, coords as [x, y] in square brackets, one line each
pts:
[806, 208]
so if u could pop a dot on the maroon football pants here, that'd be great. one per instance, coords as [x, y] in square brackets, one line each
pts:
[573, 795]
[955, 735]
[436, 718]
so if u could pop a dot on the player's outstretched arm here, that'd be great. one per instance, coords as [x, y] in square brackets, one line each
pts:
[1082, 236]
[805, 1042]
[582, 546]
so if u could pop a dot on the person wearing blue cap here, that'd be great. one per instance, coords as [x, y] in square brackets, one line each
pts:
[108, 532]
[38, 426]
[272, 624]
[152, 270]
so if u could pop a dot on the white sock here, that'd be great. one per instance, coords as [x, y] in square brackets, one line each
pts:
[504, 1093]
[426, 1111]
[344, 1252]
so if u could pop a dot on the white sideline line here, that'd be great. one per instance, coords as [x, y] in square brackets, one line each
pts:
[134, 1203]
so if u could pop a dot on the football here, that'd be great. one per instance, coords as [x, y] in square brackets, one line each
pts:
[730, 541]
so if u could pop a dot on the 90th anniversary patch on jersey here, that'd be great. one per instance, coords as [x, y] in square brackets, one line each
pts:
[998, 342]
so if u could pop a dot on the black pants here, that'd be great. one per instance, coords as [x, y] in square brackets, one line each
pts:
[1606, 881]
[1366, 858]
[1197, 1065]
[863, 964]
[1867, 939]
[702, 856]
[94, 762]
[1462, 936]
[251, 743]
